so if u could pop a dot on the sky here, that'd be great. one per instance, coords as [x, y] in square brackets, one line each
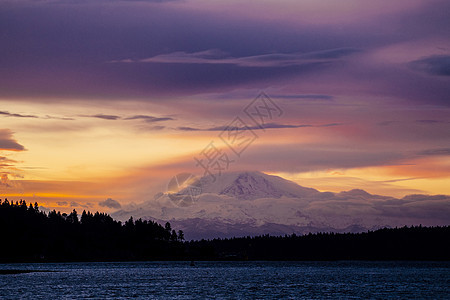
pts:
[102, 102]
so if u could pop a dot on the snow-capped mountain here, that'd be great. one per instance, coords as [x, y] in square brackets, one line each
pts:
[253, 185]
[252, 203]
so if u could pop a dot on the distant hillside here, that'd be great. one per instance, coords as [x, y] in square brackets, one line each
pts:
[406, 243]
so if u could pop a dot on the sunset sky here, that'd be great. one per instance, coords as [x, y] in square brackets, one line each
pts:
[107, 99]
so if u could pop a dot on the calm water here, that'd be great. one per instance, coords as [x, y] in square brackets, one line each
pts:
[235, 280]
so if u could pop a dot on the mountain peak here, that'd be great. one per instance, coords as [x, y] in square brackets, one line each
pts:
[249, 185]
[247, 203]
[252, 185]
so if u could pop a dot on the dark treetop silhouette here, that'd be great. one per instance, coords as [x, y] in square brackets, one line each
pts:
[28, 234]
[32, 235]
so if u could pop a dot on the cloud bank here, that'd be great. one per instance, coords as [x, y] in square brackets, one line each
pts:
[110, 203]
[7, 142]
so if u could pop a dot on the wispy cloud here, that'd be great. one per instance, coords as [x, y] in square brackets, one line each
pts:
[435, 65]
[304, 96]
[433, 152]
[110, 203]
[386, 123]
[81, 2]
[429, 121]
[17, 115]
[158, 127]
[215, 56]
[149, 119]
[102, 116]
[7, 142]
[146, 118]
[266, 126]
[4, 159]
[76, 204]
[8, 114]
[58, 118]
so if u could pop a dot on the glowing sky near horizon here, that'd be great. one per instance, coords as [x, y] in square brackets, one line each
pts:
[110, 99]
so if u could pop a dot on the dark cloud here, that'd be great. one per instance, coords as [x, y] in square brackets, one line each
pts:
[434, 65]
[432, 208]
[186, 128]
[433, 152]
[109, 1]
[400, 179]
[146, 118]
[266, 126]
[386, 123]
[150, 1]
[330, 53]
[156, 127]
[412, 87]
[304, 96]
[102, 116]
[76, 204]
[110, 203]
[58, 118]
[7, 142]
[149, 119]
[67, 61]
[278, 126]
[8, 114]
[62, 203]
[429, 121]
[6, 160]
[329, 125]
[62, 51]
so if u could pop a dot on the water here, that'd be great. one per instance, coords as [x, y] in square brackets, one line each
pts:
[225, 280]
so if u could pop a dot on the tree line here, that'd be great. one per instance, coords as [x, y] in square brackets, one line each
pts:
[29, 234]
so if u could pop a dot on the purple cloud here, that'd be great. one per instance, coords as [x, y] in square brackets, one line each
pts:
[43, 59]
[435, 65]
[7, 142]
[149, 119]
[215, 56]
[266, 126]
[8, 114]
[304, 96]
[433, 152]
[102, 116]
[110, 203]
[16, 115]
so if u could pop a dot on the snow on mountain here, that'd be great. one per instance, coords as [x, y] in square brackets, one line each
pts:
[251, 203]
[253, 185]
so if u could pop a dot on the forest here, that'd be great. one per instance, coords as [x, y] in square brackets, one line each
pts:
[29, 234]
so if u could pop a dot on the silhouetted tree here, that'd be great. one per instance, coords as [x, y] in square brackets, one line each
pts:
[33, 235]
[73, 217]
[28, 234]
[180, 235]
